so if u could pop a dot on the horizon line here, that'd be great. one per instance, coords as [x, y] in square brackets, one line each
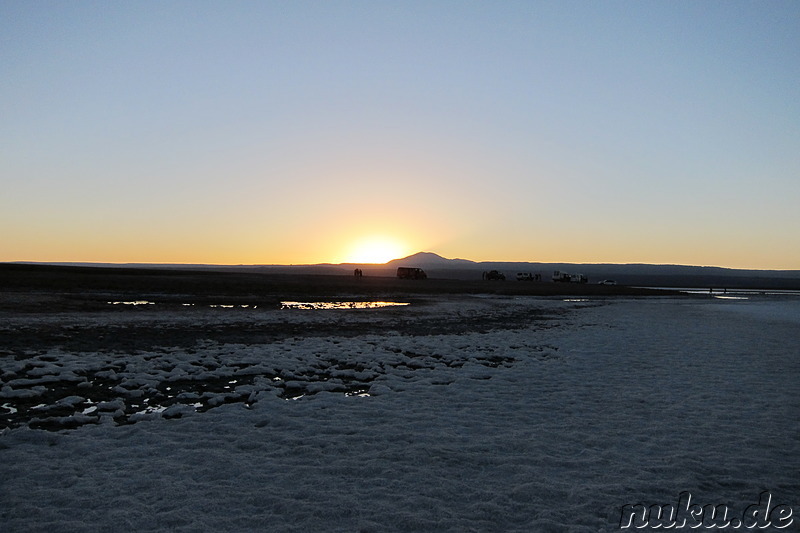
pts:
[329, 264]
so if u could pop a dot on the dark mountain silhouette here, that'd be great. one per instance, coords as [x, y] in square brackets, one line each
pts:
[431, 259]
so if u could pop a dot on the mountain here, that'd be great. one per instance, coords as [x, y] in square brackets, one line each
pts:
[430, 259]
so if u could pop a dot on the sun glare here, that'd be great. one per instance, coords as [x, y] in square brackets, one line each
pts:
[377, 250]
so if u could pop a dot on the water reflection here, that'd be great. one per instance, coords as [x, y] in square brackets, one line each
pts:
[215, 306]
[339, 305]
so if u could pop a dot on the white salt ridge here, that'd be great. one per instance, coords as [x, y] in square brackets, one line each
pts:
[629, 401]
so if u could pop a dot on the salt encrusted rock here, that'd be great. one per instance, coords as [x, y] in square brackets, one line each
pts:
[105, 417]
[320, 386]
[71, 401]
[44, 370]
[417, 364]
[188, 396]
[61, 422]
[365, 375]
[8, 392]
[217, 400]
[140, 382]
[295, 386]
[207, 376]
[111, 406]
[70, 376]
[257, 396]
[177, 410]
[138, 417]
[376, 389]
[43, 380]
[128, 393]
[80, 419]
[254, 370]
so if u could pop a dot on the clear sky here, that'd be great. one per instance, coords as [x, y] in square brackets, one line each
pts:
[327, 131]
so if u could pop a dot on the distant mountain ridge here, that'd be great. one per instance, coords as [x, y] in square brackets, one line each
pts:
[432, 259]
[625, 273]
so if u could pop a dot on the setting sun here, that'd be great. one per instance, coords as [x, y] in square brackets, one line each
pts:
[375, 250]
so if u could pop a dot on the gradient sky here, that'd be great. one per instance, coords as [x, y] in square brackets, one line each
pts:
[294, 132]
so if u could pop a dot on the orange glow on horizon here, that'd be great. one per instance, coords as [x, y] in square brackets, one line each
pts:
[375, 250]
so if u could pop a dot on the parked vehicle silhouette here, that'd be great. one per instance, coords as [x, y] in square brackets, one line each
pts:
[564, 277]
[411, 273]
[495, 275]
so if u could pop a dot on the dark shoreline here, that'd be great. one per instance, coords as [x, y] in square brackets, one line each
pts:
[170, 285]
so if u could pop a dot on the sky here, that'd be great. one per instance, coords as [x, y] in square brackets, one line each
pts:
[294, 132]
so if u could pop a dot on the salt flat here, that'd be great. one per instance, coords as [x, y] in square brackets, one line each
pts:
[455, 413]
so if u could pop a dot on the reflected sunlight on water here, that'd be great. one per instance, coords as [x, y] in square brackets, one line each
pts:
[339, 305]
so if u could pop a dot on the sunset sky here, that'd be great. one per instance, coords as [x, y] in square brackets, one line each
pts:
[330, 131]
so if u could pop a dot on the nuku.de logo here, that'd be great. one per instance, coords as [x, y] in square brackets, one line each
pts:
[690, 515]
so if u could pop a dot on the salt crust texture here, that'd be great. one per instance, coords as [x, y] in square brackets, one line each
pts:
[615, 402]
